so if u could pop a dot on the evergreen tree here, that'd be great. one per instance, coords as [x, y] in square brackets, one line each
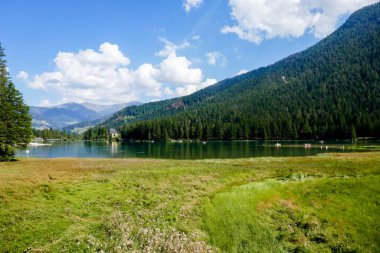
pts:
[15, 121]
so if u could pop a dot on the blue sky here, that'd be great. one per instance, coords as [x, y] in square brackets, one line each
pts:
[119, 51]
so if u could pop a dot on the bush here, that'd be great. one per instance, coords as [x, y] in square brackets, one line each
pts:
[6, 153]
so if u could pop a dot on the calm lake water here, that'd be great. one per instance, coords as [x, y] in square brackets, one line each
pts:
[191, 150]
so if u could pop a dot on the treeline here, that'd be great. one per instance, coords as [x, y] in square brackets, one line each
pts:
[55, 134]
[230, 125]
[99, 133]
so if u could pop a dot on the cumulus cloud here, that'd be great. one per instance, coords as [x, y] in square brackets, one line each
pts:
[256, 20]
[23, 76]
[214, 57]
[104, 76]
[146, 77]
[177, 70]
[190, 4]
[45, 103]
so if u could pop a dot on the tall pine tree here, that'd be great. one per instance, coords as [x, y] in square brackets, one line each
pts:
[15, 121]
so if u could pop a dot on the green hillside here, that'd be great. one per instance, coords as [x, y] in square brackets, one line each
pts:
[330, 90]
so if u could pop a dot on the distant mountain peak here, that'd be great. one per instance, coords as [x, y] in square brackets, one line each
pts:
[70, 113]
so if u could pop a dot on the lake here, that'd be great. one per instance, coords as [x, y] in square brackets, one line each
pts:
[186, 150]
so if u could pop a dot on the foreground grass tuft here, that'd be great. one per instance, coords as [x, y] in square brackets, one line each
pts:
[314, 215]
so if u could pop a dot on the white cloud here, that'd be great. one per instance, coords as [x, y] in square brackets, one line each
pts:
[191, 88]
[196, 37]
[208, 82]
[45, 103]
[23, 76]
[243, 71]
[44, 80]
[168, 91]
[177, 70]
[104, 76]
[190, 4]
[211, 57]
[214, 57]
[256, 20]
[146, 77]
[170, 47]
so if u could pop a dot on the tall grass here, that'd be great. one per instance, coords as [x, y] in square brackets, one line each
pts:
[142, 205]
[312, 215]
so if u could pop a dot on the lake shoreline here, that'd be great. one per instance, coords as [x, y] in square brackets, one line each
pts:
[222, 140]
[194, 150]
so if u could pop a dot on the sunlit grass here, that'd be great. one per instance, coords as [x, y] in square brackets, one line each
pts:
[119, 205]
[312, 215]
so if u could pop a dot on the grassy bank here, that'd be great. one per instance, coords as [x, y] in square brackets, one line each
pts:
[323, 203]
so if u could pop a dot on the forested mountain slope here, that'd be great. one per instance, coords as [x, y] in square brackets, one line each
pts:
[331, 90]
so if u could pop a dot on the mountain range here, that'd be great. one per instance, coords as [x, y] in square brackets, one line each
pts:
[330, 90]
[64, 115]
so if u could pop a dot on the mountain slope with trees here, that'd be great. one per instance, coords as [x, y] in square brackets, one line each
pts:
[330, 90]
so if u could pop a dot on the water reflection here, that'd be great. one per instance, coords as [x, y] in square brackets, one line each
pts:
[186, 150]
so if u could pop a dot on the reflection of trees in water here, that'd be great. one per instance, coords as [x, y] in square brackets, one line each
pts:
[184, 150]
[197, 150]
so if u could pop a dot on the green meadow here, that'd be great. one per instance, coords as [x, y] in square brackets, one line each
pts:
[325, 203]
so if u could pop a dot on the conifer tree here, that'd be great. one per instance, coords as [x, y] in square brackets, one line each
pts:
[15, 121]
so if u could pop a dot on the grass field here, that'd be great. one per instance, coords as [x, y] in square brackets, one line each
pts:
[327, 203]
